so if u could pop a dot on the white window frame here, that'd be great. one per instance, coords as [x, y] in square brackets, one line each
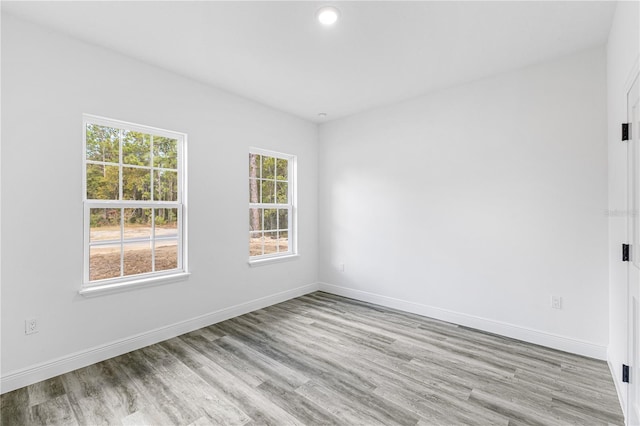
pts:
[110, 285]
[292, 227]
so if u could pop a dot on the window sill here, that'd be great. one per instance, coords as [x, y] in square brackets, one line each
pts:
[118, 287]
[270, 260]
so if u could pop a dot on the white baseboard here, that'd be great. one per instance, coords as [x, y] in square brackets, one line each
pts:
[49, 369]
[538, 337]
[46, 370]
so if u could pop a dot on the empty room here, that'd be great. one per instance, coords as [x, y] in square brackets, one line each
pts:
[313, 213]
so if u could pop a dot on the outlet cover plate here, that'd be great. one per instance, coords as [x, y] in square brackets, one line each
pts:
[31, 326]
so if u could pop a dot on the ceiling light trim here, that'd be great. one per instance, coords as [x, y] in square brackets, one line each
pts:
[328, 15]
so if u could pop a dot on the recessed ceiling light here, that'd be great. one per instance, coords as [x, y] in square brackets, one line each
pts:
[322, 114]
[328, 15]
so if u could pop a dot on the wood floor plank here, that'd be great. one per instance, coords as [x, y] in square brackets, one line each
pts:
[253, 403]
[93, 411]
[306, 410]
[45, 390]
[260, 409]
[232, 363]
[322, 359]
[285, 351]
[519, 412]
[585, 409]
[54, 411]
[145, 416]
[161, 394]
[440, 408]
[130, 398]
[13, 407]
[199, 395]
[372, 372]
[338, 405]
[278, 372]
[91, 397]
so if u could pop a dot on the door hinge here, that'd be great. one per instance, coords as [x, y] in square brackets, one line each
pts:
[625, 373]
[625, 131]
[625, 252]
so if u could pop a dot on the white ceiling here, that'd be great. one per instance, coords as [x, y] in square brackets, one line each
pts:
[378, 53]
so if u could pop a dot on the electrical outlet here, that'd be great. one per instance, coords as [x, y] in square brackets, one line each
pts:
[31, 326]
[341, 267]
[556, 302]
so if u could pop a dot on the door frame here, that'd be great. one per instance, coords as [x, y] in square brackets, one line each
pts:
[632, 402]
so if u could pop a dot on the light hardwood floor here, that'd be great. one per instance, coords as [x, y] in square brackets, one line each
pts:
[323, 359]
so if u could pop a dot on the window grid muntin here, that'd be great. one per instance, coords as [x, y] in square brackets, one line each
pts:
[122, 204]
[152, 239]
[152, 178]
[289, 206]
[278, 230]
[121, 165]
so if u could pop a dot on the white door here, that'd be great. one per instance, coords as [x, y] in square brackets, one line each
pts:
[633, 202]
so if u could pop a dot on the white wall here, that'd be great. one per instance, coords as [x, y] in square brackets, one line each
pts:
[478, 203]
[623, 54]
[474, 204]
[48, 81]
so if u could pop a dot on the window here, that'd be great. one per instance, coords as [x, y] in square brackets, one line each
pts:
[134, 203]
[271, 205]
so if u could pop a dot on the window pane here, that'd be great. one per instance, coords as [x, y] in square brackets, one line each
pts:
[270, 242]
[270, 219]
[166, 222]
[268, 167]
[282, 169]
[254, 166]
[137, 258]
[165, 185]
[104, 262]
[102, 182]
[282, 192]
[166, 255]
[254, 191]
[136, 184]
[283, 219]
[255, 219]
[129, 164]
[102, 143]
[268, 188]
[104, 224]
[136, 148]
[165, 152]
[255, 243]
[283, 241]
[137, 224]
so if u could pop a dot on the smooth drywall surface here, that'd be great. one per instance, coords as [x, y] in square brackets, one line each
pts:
[623, 50]
[48, 82]
[484, 200]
